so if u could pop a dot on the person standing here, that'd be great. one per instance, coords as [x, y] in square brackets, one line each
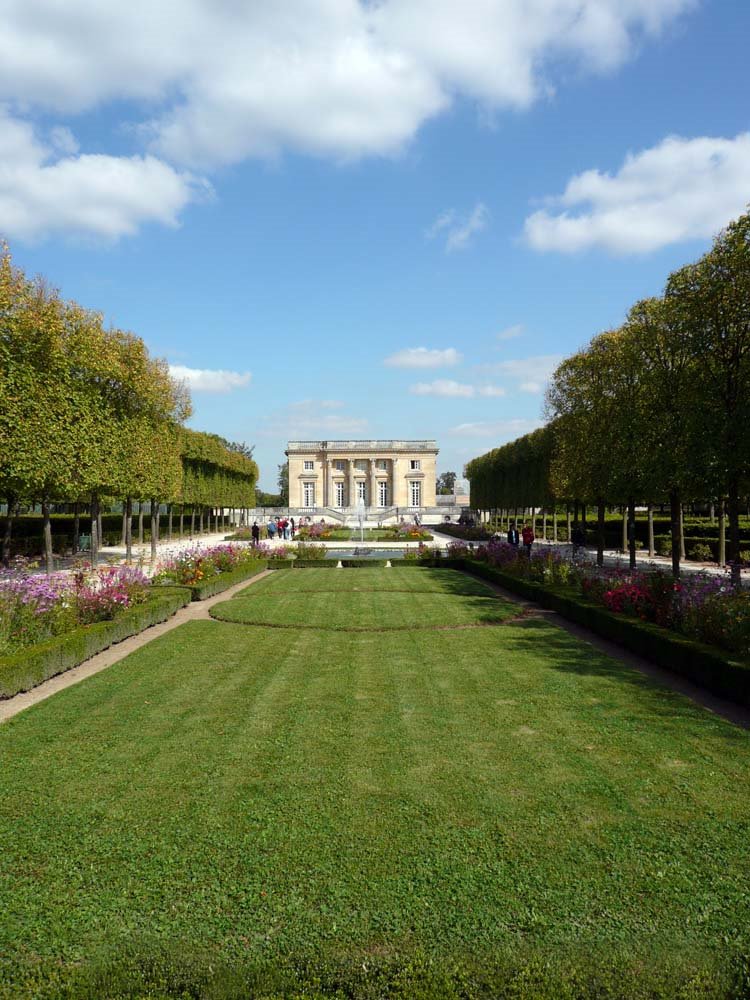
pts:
[271, 528]
[291, 527]
[513, 537]
[528, 538]
[255, 532]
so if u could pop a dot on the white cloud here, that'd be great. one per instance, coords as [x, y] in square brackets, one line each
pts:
[442, 387]
[531, 387]
[210, 380]
[681, 189]
[537, 368]
[500, 430]
[458, 230]
[510, 332]
[423, 357]
[44, 189]
[312, 418]
[340, 78]
[447, 387]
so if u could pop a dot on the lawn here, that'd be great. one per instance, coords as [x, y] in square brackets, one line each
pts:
[236, 810]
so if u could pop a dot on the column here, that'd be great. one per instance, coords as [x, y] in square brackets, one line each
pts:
[373, 489]
[352, 498]
[330, 501]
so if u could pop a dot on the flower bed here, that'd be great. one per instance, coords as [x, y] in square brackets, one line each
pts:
[34, 607]
[209, 571]
[32, 664]
[407, 531]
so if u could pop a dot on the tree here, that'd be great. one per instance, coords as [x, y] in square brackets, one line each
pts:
[714, 297]
[283, 483]
[446, 483]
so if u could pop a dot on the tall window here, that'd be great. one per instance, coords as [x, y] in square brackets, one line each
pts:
[382, 494]
[339, 494]
[382, 464]
[339, 464]
[361, 464]
[308, 494]
[415, 464]
[308, 465]
[415, 493]
[362, 491]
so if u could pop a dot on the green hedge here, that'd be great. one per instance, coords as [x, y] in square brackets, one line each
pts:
[713, 669]
[28, 667]
[223, 581]
[361, 563]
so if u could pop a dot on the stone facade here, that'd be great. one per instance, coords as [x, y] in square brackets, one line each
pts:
[384, 474]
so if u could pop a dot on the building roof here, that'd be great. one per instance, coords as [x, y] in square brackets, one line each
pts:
[315, 446]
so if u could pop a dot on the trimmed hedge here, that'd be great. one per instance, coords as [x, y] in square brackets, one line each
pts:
[711, 668]
[223, 581]
[31, 666]
[362, 563]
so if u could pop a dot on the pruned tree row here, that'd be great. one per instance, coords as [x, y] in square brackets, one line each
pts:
[656, 411]
[87, 415]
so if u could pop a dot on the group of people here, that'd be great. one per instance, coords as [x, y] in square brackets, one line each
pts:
[526, 536]
[277, 527]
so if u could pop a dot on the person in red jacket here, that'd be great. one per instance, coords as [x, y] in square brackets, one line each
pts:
[528, 538]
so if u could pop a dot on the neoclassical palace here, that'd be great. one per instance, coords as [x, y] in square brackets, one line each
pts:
[381, 474]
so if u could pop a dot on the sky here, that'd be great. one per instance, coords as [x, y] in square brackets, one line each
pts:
[340, 219]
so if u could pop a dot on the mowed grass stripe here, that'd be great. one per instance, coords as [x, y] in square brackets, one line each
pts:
[354, 610]
[274, 795]
[416, 578]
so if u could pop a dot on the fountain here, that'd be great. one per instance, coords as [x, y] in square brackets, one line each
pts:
[361, 514]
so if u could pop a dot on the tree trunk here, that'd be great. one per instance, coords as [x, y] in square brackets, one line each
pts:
[544, 524]
[624, 544]
[682, 534]
[8, 533]
[554, 525]
[169, 523]
[631, 531]
[140, 522]
[583, 515]
[674, 513]
[192, 520]
[49, 557]
[722, 535]
[76, 527]
[99, 525]
[94, 529]
[734, 530]
[154, 529]
[567, 518]
[200, 521]
[651, 549]
[129, 530]
[601, 519]
[575, 514]
[712, 513]
[124, 533]
[182, 518]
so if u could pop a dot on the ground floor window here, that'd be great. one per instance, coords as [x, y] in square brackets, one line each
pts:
[308, 494]
[415, 493]
[339, 494]
[383, 494]
[362, 491]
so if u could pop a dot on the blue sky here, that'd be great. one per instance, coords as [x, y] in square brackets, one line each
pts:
[376, 220]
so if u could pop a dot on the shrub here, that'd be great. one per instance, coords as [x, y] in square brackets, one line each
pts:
[310, 552]
[192, 566]
[700, 553]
